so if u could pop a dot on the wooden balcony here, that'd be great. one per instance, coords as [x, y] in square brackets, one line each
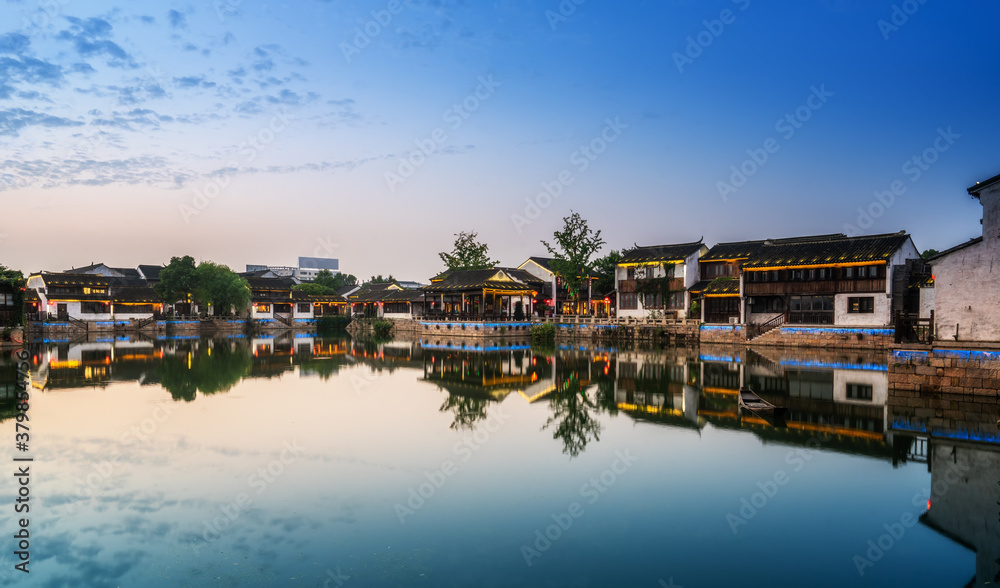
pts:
[814, 287]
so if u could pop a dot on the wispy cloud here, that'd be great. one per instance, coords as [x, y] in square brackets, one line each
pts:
[91, 37]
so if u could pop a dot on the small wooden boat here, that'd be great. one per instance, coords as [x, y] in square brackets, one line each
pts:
[757, 405]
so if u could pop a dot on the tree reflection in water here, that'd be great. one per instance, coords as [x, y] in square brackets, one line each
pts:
[573, 414]
[468, 410]
[209, 369]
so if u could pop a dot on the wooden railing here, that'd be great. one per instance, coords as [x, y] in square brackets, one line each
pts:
[912, 329]
[813, 287]
[756, 330]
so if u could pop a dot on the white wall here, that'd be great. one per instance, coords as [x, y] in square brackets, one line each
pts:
[879, 318]
[967, 283]
[927, 301]
[262, 315]
[301, 315]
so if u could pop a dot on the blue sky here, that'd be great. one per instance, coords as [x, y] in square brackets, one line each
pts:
[247, 132]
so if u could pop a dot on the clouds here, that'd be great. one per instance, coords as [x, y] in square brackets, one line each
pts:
[91, 38]
[14, 43]
[177, 20]
[14, 120]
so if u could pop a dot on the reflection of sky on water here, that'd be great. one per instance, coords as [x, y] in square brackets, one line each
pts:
[155, 510]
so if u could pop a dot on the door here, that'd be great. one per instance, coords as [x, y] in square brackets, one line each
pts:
[61, 312]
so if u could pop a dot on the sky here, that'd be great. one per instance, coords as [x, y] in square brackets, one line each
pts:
[247, 132]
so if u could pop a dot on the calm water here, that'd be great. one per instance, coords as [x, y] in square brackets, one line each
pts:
[304, 461]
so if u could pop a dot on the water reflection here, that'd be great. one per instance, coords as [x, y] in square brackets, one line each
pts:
[581, 394]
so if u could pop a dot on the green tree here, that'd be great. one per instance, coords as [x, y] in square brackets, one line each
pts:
[604, 271]
[929, 253]
[14, 279]
[312, 288]
[221, 287]
[177, 280]
[468, 253]
[573, 252]
[380, 280]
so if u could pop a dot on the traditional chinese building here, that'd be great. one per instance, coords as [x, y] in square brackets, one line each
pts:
[718, 287]
[826, 279]
[967, 277]
[554, 291]
[657, 278]
[485, 293]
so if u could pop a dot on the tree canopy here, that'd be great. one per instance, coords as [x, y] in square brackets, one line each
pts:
[221, 287]
[177, 280]
[573, 252]
[468, 253]
[929, 253]
[604, 271]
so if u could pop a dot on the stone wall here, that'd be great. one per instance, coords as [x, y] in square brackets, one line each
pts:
[473, 329]
[946, 371]
[722, 334]
[827, 337]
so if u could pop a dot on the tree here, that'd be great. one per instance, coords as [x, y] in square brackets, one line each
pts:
[326, 282]
[219, 286]
[312, 288]
[929, 253]
[604, 271]
[380, 280]
[468, 253]
[14, 279]
[177, 280]
[575, 245]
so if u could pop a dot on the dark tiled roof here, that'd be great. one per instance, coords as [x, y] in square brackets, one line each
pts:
[826, 250]
[493, 279]
[723, 287]
[660, 253]
[152, 272]
[968, 243]
[74, 280]
[699, 286]
[921, 281]
[980, 186]
[344, 290]
[269, 283]
[522, 275]
[300, 296]
[127, 282]
[544, 262]
[31, 295]
[138, 295]
[730, 251]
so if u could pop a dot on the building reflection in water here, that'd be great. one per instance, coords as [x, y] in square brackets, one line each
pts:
[842, 397]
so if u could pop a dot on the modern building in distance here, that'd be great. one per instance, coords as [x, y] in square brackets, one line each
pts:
[306, 271]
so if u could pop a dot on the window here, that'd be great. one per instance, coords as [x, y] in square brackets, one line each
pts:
[861, 305]
[859, 392]
[652, 300]
[262, 307]
[396, 307]
[629, 301]
[763, 304]
[93, 308]
[89, 290]
[133, 308]
[630, 273]
[304, 307]
[677, 300]
[848, 272]
[6, 299]
[811, 310]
